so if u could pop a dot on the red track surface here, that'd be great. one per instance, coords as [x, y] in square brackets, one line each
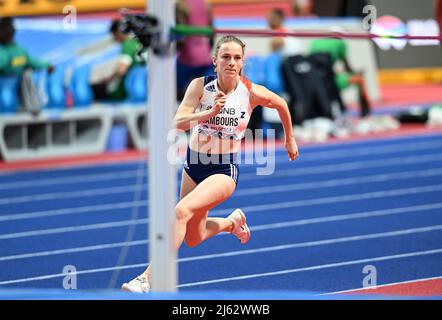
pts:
[428, 287]
[410, 94]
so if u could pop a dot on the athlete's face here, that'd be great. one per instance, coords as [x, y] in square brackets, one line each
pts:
[274, 20]
[229, 60]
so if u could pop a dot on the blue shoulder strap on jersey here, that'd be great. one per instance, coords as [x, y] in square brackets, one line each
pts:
[208, 79]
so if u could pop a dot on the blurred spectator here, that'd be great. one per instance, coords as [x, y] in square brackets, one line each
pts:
[112, 87]
[16, 61]
[352, 8]
[337, 48]
[302, 8]
[338, 8]
[439, 14]
[194, 53]
[287, 46]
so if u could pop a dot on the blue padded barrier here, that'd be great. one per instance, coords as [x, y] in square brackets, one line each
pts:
[136, 84]
[9, 99]
[80, 87]
[55, 89]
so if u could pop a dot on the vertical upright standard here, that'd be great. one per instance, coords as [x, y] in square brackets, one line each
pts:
[162, 173]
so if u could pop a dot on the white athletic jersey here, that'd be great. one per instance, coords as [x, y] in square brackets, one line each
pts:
[231, 122]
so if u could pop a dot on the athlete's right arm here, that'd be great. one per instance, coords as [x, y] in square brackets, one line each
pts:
[185, 117]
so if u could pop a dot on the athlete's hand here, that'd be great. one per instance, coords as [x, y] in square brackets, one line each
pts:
[292, 148]
[220, 102]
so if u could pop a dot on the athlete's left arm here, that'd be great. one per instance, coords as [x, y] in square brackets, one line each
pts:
[261, 96]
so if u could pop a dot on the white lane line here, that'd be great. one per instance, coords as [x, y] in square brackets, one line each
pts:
[367, 151]
[59, 275]
[312, 268]
[348, 166]
[352, 216]
[32, 183]
[316, 243]
[340, 182]
[143, 265]
[74, 250]
[335, 199]
[382, 285]
[251, 176]
[249, 209]
[264, 227]
[74, 210]
[242, 192]
[346, 153]
[72, 194]
[96, 226]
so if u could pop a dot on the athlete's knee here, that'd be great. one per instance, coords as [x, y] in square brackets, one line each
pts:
[192, 242]
[183, 213]
[194, 235]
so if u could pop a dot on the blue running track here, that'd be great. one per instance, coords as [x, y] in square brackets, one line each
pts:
[316, 222]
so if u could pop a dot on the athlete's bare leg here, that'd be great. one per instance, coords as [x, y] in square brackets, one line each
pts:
[192, 223]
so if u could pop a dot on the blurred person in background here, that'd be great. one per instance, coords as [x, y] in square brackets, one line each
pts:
[194, 53]
[302, 8]
[439, 15]
[352, 8]
[112, 86]
[332, 8]
[337, 48]
[16, 61]
[280, 48]
[287, 46]
[210, 173]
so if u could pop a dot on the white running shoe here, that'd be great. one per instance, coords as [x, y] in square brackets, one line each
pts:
[240, 228]
[137, 285]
